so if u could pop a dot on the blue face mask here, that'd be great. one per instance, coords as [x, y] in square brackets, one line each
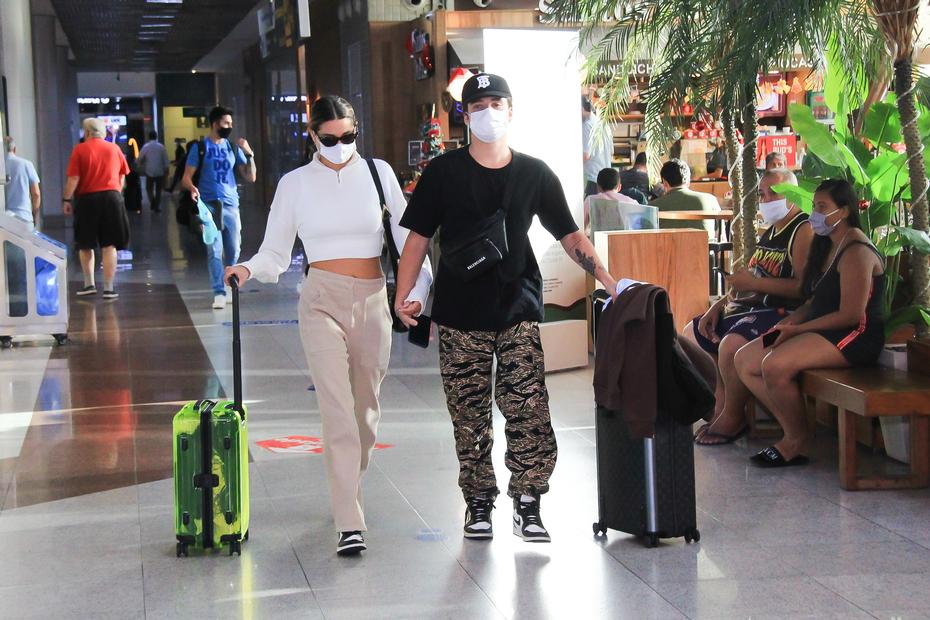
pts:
[819, 223]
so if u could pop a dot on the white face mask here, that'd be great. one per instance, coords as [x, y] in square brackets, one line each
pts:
[489, 125]
[339, 154]
[773, 211]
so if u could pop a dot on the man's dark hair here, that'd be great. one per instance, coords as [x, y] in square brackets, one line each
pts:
[608, 179]
[585, 104]
[217, 113]
[675, 172]
[640, 159]
[153, 135]
[772, 157]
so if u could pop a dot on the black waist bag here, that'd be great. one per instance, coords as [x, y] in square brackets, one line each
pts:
[484, 248]
[486, 245]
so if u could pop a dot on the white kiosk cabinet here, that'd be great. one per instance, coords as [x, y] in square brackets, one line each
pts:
[33, 284]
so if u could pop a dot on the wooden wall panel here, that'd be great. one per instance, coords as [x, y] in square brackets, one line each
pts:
[676, 260]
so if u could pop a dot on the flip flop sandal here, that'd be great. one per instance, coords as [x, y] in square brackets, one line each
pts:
[723, 439]
[702, 429]
[771, 457]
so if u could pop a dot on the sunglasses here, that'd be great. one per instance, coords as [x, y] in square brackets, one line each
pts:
[346, 138]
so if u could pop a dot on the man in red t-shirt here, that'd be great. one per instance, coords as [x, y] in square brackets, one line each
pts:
[95, 179]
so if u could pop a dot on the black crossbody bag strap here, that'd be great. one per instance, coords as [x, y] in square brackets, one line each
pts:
[393, 254]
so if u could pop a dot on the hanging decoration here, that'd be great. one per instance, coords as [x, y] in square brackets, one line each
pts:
[420, 50]
[432, 141]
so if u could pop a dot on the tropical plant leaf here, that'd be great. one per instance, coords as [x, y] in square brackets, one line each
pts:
[909, 315]
[917, 239]
[852, 163]
[878, 215]
[888, 175]
[813, 168]
[882, 124]
[801, 196]
[817, 136]
[862, 154]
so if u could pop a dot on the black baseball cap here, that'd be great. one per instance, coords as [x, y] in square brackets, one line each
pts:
[485, 85]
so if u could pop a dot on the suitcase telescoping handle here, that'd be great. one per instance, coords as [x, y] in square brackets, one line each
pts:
[649, 456]
[237, 348]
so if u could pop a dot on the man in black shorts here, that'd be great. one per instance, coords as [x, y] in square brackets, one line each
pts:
[93, 194]
[759, 298]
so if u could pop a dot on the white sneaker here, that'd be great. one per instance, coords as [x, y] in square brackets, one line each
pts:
[219, 302]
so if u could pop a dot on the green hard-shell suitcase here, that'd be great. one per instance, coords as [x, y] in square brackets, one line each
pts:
[211, 466]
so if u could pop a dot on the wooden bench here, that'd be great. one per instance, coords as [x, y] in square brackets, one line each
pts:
[874, 392]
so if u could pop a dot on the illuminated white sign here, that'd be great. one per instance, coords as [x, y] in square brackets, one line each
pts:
[94, 100]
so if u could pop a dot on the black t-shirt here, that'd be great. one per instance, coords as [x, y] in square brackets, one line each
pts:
[454, 192]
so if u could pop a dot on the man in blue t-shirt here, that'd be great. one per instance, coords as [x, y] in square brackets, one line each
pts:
[23, 197]
[216, 186]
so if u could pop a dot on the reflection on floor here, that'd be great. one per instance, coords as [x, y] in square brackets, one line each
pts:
[86, 519]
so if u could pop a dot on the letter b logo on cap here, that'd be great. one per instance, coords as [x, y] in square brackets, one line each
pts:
[484, 81]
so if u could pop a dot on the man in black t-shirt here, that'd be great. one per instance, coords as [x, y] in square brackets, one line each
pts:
[496, 314]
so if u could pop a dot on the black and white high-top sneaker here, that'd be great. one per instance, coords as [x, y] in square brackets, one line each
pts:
[526, 521]
[350, 543]
[478, 518]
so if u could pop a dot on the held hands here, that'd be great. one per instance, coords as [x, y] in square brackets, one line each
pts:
[241, 273]
[244, 145]
[195, 193]
[407, 311]
[741, 281]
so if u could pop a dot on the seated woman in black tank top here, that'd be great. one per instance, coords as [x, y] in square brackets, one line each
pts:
[840, 325]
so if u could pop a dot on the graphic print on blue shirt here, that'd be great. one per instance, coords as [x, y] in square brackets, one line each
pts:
[217, 176]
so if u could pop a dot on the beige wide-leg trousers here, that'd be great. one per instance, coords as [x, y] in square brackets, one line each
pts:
[345, 328]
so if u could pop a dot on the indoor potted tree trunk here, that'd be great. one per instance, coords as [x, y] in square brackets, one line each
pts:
[897, 20]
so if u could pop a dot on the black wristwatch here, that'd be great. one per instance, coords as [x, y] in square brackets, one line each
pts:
[67, 199]
[248, 157]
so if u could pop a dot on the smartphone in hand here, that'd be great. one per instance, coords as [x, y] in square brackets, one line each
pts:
[769, 338]
[419, 333]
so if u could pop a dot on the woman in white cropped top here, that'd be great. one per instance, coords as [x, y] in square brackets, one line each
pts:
[345, 321]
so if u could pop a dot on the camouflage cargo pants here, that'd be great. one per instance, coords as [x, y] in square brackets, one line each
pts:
[465, 361]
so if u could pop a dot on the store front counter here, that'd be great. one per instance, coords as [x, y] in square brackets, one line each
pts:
[674, 259]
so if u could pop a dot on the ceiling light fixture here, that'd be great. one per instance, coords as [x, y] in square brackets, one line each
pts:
[165, 1]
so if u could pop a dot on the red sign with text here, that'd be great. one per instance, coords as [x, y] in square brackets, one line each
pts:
[787, 144]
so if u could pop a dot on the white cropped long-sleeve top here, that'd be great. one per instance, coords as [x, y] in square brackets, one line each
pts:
[337, 215]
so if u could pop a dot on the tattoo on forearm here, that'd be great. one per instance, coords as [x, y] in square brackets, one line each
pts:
[587, 263]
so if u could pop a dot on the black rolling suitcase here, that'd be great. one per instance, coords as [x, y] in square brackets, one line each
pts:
[645, 486]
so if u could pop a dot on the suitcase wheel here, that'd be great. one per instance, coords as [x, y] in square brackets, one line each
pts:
[235, 547]
[182, 549]
[692, 535]
[599, 530]
[61, 339]
[651, 541]
[6, 342]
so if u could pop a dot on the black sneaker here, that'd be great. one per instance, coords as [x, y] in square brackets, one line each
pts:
[110, 295]
[350, 543]
[87, 290]
[526, 521]
[478, 518]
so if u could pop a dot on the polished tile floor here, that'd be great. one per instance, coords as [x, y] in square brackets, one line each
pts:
[86, 500]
